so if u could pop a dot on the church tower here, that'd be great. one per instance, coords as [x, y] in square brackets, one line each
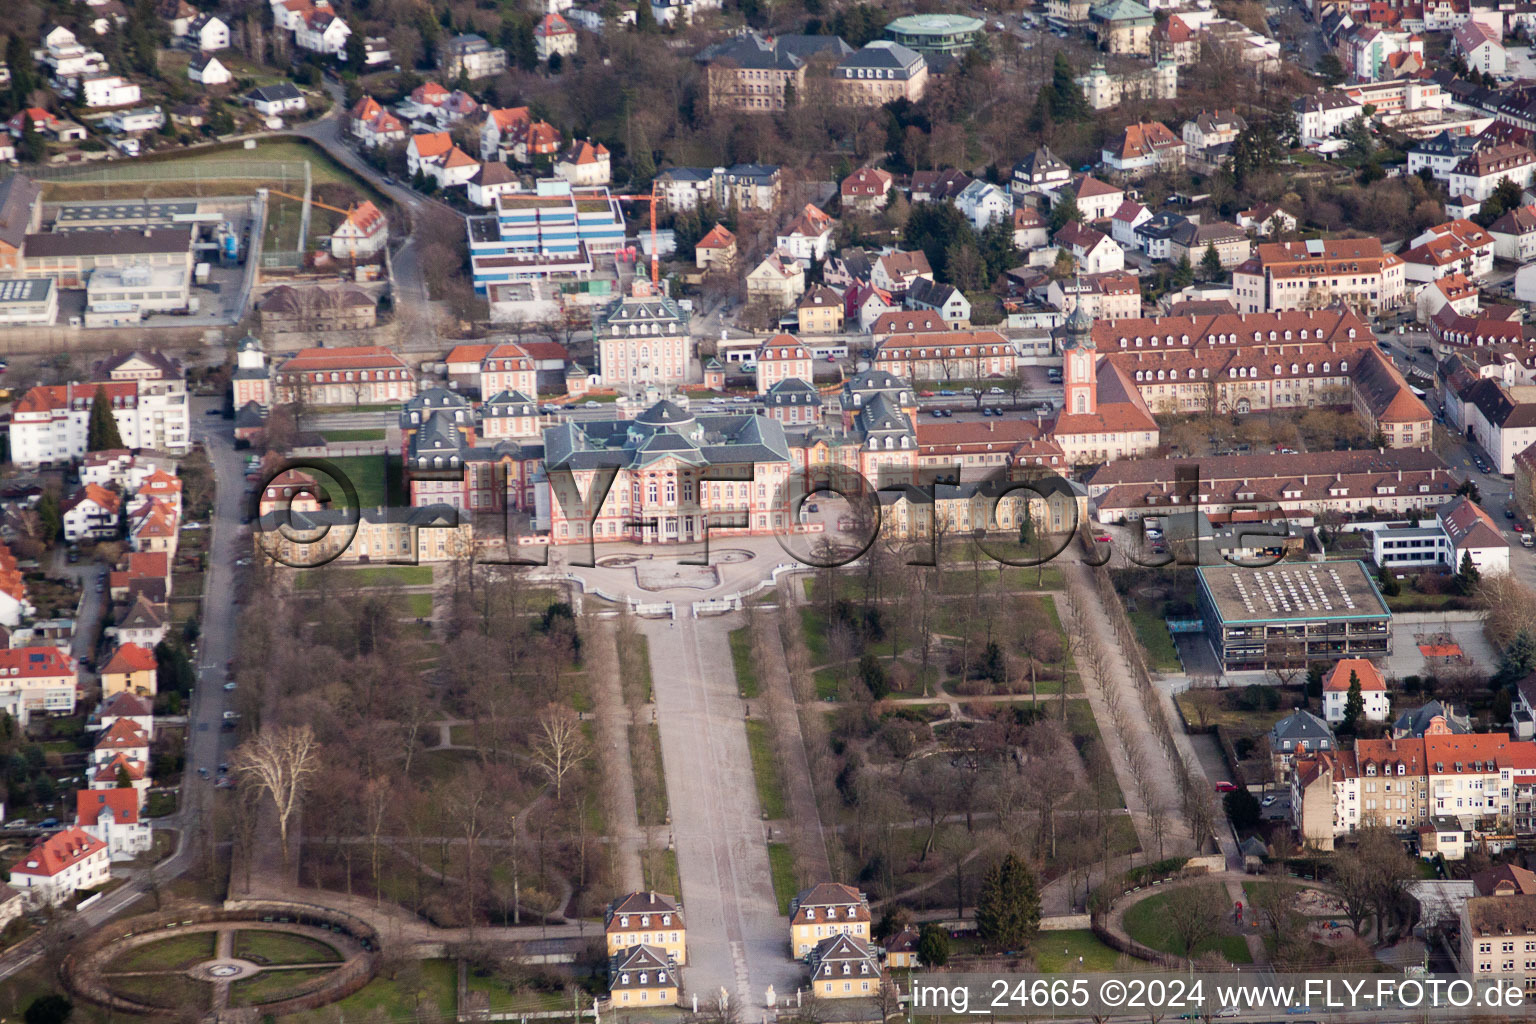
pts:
[1079, 357]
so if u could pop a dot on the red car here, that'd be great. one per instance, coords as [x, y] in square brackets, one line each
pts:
[925, 394]
[1226, 787]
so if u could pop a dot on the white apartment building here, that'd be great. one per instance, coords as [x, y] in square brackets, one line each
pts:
[148, 395]
[36, 679]
[57, 866]
[1317, 273]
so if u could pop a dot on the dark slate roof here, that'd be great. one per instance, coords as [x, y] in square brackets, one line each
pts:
[750, 50]
[1413, 723]
[19, 195]
[792, 391]
[1301, 725]
[275, 93]
[811, 47]
[666, 430]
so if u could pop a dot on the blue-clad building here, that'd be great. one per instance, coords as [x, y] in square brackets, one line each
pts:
[554, 231]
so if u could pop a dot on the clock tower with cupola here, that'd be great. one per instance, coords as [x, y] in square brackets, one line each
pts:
[1079, 372]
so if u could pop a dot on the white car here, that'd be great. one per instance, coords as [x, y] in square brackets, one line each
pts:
[717, 400]
[741, 399]
[1228, 1011]
[228, 687]
[231, 716]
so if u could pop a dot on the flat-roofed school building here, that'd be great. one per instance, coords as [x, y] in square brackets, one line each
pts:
[1292, 613]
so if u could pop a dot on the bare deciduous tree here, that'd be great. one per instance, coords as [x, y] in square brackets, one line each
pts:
[560, 745]
[280, 761]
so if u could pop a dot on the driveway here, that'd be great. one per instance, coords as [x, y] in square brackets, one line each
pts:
[736, 938]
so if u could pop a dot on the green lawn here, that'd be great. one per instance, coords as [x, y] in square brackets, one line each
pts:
[765, 768]
[376, 576]
[650, 788]
[814, 629]
[1146, 923]
[826, 683]
[502, 999]
[1079, 942]
[353, 435]
[659, 869]
[174, 953]
[741, 657]
[417, 606]
[267, 947]
[782, 863]
[377, 478]
[170, 991]
[1155, 640]
[271, 986]
[323, 170]
[419, 990]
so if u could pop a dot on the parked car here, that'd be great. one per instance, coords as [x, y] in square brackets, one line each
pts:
[1226, 787]
[48, 823]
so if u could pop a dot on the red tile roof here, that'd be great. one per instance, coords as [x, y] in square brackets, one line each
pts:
[120, 805]
[58, 852]
[1369, 676]
[130, 658]
[359, 357]
[35, 662]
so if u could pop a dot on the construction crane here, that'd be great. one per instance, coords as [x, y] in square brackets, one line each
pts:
[313, 202]
[655, 255]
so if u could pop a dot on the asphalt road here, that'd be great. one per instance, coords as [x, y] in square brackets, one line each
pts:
[736, 938]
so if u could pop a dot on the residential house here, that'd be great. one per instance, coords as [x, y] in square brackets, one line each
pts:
[944, 299]
[1122, 26]
[901, 948]
[207, 70]
[895, 271]
[937, 186]
[1030, 229]
[746, 186]
[470, 55]
[820, 311]
[1124, 222]
[1322, 116]
[1373, 689]
[647, 919]
[684, 188]
[844, 967]
[776, 282]
[322, 31]
[111, 816]
[1095, 200]
[1094, 251]
[362, 235]
[865, 303]
[437, 157]
[276, 100]
[1192, 240]
[1112, 295]
[880, 73]
[716, 250]
[1299, 734]
[493, 180]
[1266, 219]
[1144, 148]
[808, 236]
[1473, 535]
[823, 911]
[984, 204]
[866, 190]
[60, 864]
[103, 90]
[1455, 247]
[1514, 235]
[584, 165]
[1481, 46]
[1479, 173]
[91, 513]
[36, 680]
[209, 33]
[131, 669]
[553, 35]
[1041, 171]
